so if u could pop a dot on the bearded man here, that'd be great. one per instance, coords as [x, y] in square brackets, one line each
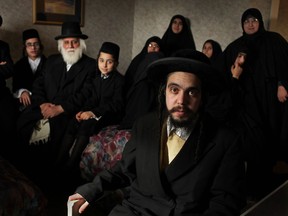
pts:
[59, 93]
[179, 160]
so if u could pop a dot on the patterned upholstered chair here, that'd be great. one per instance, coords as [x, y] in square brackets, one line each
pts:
[103, 151]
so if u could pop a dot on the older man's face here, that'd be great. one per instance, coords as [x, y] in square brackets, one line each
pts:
[183, 96]
[71, 43]
[71, 50]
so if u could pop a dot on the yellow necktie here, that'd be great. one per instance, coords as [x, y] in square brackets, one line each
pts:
[174, 145]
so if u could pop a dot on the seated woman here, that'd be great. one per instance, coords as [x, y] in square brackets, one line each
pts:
[105, 148]
[105, 107]
[152, 44]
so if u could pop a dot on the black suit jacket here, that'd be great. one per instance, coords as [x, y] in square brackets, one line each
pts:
[205, 178]
[69, 89]
[23, 75]
[107, 99]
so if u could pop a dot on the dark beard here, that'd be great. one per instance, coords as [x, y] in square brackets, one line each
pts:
[185, 123]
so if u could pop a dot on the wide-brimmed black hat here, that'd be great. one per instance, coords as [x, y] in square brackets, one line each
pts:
[71, 29]
[190, 61]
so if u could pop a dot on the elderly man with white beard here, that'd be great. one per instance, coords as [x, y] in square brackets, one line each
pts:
[57, 95]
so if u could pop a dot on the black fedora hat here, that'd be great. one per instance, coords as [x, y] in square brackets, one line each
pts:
[190, 61]
[71, 29]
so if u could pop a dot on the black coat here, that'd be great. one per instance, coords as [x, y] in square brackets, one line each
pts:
[23, 75]
[8, 108]
[107, 101]
[254, 96]
[69, 89]
[142, 95]
[205, 178]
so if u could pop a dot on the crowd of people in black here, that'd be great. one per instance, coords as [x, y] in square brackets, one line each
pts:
[207, 127]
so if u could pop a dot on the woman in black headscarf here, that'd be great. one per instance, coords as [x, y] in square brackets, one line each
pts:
[256, 64]
[153, 44]
[212, 49]
[177, 36]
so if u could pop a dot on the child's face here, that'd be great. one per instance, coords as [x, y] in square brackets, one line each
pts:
[106, 63]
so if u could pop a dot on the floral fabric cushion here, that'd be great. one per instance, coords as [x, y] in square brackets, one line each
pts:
[18, 195]
[103, 151]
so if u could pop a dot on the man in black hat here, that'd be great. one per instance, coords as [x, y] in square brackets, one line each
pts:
[178, 161]
[104, 107]
[59, 93]
[28, 68]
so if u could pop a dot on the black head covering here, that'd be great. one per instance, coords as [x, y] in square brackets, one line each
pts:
[71, 29]
[253, 12]
[173, 42]
[217, 50]
[30, 33]
[251, 42]
[110, 48]
[134, 70]
[155, 39]
[190, 61]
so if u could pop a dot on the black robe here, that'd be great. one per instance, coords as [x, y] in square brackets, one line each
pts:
[255, 109]
[173, 42]
[254, 95]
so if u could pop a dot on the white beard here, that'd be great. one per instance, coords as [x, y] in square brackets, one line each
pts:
[71, 56]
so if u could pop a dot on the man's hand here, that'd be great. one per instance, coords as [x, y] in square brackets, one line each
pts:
[84, 115]
[81, 204]
[25, 98]
[50, 110]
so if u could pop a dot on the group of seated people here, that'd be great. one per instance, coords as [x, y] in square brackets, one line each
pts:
[73, 115]
[61, 101]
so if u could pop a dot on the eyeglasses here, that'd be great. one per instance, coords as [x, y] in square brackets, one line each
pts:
[36, 44]
[153, 45]
[251, 20]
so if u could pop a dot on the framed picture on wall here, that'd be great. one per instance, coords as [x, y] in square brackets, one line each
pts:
[55, 12]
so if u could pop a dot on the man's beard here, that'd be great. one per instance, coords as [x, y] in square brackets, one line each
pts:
[184, 122]
[71, 56]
